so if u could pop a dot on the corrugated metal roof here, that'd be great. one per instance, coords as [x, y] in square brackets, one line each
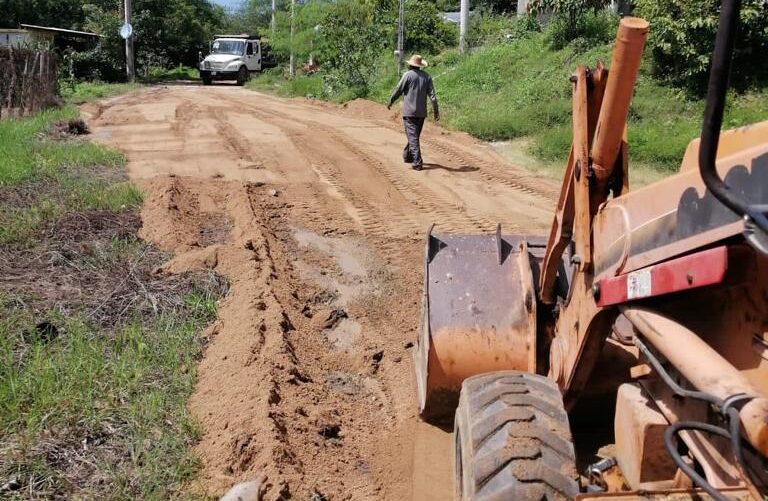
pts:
[32, 27]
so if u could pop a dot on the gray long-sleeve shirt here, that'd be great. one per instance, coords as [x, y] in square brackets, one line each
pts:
[415, 86]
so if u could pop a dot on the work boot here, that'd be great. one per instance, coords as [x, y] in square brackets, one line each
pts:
[417, 167]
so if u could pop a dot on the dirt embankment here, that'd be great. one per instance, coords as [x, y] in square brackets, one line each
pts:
[318, 225]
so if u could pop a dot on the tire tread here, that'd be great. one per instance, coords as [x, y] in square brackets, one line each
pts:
[514, 438]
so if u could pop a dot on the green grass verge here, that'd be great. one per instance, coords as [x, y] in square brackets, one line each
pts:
[121, 394]
[83, 92]
[68, 174]
[274, 81]
[176, 73]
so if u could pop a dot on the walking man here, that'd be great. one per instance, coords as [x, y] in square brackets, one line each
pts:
[415, 87]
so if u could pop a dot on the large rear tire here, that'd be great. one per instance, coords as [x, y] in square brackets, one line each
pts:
[512, 440]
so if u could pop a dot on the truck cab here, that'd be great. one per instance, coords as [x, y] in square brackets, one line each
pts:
[232, 57]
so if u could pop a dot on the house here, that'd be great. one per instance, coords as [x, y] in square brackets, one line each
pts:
[30, 34]
[451, 17]
[14, 38]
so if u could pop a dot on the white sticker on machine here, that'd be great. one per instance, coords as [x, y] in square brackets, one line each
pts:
[639, 284]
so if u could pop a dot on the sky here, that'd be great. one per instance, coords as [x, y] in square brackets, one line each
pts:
[228, 3]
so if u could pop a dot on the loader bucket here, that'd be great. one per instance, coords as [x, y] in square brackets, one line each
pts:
[478, 314]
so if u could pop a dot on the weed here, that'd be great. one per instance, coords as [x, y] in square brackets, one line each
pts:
[83, 92]
[180, 72]
[41, 177]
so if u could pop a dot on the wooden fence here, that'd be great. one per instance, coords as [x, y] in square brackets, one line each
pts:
[27, 81]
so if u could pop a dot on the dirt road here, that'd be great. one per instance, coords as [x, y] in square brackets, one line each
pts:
[309, 211]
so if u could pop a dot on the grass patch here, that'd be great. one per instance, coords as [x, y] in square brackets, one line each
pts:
[83, 92]
[95, 412]
[169, 74]
[274, 81]
[43, 176]
[97, 351]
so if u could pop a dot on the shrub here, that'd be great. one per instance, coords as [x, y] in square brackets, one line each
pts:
[682, 39]
[583, 31]
[350, 48]
[426, 32]
[486, 28]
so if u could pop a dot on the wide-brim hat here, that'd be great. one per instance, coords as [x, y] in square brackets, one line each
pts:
[418, 61]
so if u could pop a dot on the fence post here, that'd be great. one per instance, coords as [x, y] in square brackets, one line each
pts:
[12, 66]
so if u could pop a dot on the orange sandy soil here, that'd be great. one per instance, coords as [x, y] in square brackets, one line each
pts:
[309, 211]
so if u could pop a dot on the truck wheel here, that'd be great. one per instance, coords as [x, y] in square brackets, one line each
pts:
[242, 76]
[207, 81]
[512, 440]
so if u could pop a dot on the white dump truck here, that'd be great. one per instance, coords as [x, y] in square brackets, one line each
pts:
[233, 57]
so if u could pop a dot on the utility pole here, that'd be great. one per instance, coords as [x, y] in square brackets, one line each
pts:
[463, 17]
[292, 62]
[400, 35]
[273, 23]
[129, 60]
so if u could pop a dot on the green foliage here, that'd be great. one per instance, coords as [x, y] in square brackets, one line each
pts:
[426, 32]
[571, 9]
[346, 51]
[488, 28]
[60, 13]
[274, 80]
[83, 92]
[588, 29]
[349, 48]
[26, 155]
[682, 39]
[160, 74]
[166, 33]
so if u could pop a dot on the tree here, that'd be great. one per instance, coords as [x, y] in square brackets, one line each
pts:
[66, 14]
[682, 37]
[166, 33]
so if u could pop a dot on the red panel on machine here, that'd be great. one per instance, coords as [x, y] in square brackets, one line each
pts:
[689, 272]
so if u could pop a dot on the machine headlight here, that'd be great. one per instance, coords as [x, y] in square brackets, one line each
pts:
[206, 65]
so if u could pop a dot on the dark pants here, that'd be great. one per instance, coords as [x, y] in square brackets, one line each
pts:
[412, 150]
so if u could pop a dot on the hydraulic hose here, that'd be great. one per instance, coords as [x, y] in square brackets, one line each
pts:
[669, 435]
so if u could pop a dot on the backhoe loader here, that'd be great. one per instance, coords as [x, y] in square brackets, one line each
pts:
[626, 354]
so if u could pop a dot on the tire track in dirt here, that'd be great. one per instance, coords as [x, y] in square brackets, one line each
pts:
[513, 177]
[542, 191]
[369, 216]
[492, 173]
[424, 200]
[233, 138]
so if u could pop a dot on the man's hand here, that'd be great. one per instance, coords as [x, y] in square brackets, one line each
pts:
[437, 116]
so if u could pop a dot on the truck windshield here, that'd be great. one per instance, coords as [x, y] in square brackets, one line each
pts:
[232, 47]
